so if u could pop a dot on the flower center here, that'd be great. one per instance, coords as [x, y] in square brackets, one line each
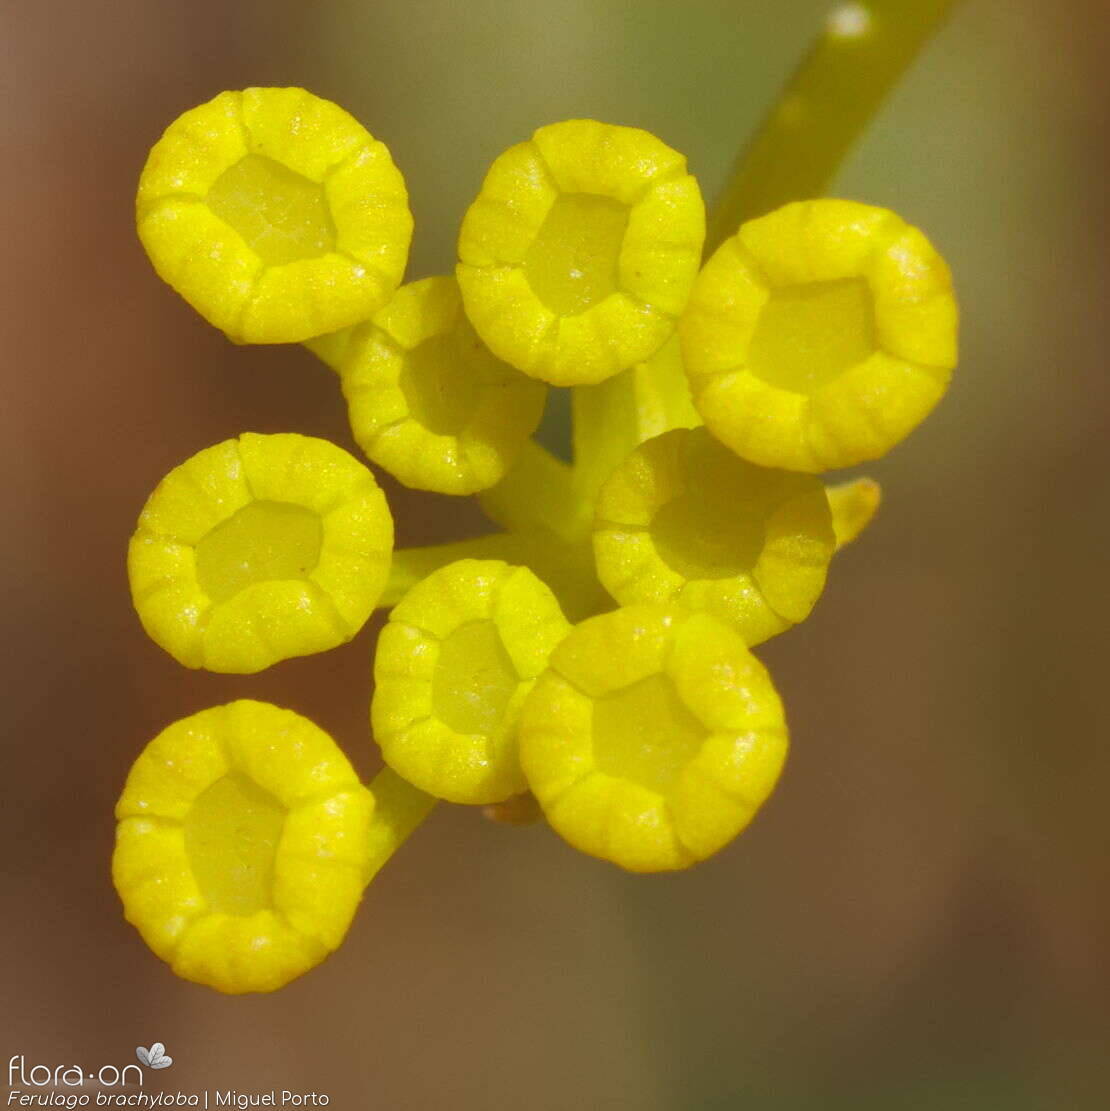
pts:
[262, 542]
[281, 215]
[645, 733]
[809, 334]
[439, 384]
[573, 261]
[231, 837]
[705, 533]
[474, 679]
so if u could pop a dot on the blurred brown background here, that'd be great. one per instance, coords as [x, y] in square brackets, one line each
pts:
[919, 918]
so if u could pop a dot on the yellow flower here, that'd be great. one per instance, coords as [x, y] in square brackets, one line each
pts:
[258, 549]
[428, 401]
[242, 847]
[820, 335]
[275, 214]
[683, 520]
[453, 665]
[652, 738]
[580, 250]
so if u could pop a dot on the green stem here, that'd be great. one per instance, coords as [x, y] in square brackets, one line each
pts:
[613, 417]
[399, 808]
[536, 494]
[606, 427]
[838, 88]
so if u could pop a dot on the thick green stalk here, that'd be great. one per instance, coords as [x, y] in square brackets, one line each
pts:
[613, 417]
[536, 494]
[840, 85]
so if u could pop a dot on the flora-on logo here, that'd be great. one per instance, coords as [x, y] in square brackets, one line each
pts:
[154, 1057]
[20, 1074]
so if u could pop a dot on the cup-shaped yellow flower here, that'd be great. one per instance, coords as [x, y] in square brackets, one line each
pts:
[652, 738]
[259, 549]
[275, 214]
[683, 520]
[580, 250]
[427, 399]
[820, 335]
[242, 847]
[454, 663]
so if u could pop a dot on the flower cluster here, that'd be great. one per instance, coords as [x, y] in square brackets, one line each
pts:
[595, 655]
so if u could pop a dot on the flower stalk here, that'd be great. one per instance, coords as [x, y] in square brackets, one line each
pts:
[840, 85]
[399, 808]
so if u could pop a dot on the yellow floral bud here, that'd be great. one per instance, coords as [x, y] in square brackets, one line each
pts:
[580, 250]
[853, 505]
[242, 847]
[683, 520]
[275, 214]
[259, 549]
[428, 401]
[820, 335]
[652, 738]
[453, 665]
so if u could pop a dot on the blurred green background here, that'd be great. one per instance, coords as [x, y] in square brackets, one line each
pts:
[919, 919]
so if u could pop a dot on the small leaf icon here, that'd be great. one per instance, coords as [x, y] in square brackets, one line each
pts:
[154, 1057]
